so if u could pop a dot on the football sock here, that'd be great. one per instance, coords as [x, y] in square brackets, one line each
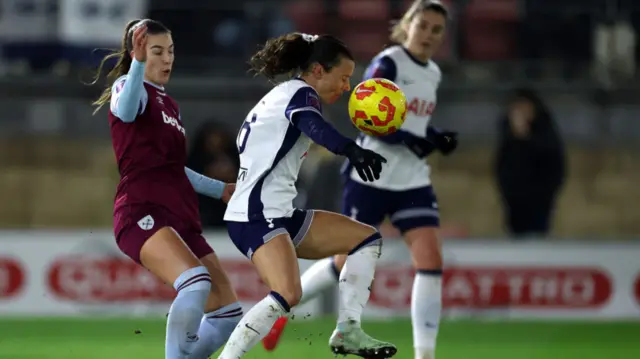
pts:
[193, 287]
[355, 279]
[426, 307]
[255, 325]
[215, 329]
[319, 277]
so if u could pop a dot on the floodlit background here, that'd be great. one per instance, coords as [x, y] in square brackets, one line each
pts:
[547, 232]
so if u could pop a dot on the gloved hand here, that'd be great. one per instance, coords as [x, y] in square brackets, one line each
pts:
[445, 141]
[419, 146]
[367, 163]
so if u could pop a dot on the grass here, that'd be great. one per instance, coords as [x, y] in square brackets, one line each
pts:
[143, 338]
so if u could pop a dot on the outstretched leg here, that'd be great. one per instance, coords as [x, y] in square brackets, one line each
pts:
[168, 257]
[222, 311]
[332, 233]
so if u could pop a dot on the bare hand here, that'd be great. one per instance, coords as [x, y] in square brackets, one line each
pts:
[139, 43]
[229, 188]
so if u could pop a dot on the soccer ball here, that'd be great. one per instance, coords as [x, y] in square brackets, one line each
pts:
[377, 107]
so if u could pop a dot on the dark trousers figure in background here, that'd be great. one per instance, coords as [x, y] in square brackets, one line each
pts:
[214, 154]
[528, 215]
[530, 165]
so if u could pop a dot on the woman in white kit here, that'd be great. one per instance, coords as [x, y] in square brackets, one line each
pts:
[404, 191]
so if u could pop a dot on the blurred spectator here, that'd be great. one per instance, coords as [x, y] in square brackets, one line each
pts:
[213, 154]
[530, 164]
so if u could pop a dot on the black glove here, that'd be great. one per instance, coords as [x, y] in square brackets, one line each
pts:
[445, 141]
[420, 146]
[367, 163]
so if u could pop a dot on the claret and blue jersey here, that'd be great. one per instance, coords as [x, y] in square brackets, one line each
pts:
[149, 142]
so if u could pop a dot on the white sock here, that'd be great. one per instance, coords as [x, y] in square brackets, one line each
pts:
[356, 278]
[321, 276]
[426, 307]
[254, 326]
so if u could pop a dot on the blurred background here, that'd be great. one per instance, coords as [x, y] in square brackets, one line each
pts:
[571, 189]
[580, 57]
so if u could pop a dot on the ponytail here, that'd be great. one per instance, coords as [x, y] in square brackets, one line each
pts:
[295, 53]
[282, 55]
[121, 68]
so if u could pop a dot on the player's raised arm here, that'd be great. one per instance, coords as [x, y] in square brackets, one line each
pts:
[127, 96]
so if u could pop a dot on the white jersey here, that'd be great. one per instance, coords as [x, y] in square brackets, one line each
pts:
[271, 153]
[419, 82]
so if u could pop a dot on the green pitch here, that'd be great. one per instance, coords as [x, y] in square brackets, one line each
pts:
[143, 338]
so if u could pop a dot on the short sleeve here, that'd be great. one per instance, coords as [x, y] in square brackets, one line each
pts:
[381, 67]
[305, 99]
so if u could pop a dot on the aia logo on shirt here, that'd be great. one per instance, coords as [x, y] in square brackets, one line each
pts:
[420, 107]
[173, 122]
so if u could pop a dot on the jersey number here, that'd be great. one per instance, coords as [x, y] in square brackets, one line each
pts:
[243, 135]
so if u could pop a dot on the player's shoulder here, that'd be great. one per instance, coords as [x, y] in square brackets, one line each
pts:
[119, 83]
[433, 67]
[293, 86]
[391, 51]
[296, 92]
[390, 54]
[416, 67]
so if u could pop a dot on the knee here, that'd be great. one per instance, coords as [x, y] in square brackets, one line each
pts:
[290, 294]
[369, 230]
[426, 254]
[338, 263]
[371, 239]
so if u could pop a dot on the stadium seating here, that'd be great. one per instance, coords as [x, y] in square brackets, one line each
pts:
[489, 30]
[308, 16]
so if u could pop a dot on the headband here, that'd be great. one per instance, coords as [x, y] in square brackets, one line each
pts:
[309, 38]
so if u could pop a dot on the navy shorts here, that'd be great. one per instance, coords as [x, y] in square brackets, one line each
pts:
[134, 224]
[249, 236]
[407, 209]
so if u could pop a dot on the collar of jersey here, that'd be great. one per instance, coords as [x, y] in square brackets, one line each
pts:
[300, 78]
[154, 85]
[414, 59]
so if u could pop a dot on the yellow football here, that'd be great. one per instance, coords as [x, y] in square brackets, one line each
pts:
[377, 107]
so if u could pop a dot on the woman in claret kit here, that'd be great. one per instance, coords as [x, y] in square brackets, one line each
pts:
[156, 219]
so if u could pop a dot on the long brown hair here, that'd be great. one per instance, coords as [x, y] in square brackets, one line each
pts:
[296, 52]
[124, 57]
[398, 33]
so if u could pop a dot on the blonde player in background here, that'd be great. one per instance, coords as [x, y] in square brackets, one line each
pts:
[404, 191]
